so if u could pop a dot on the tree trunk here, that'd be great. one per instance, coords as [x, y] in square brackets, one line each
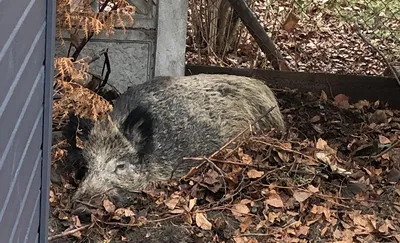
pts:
[259, 34]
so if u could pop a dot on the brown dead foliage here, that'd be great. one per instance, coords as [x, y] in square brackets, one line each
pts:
[76, 99]
[78, 14]
[333, 177]
[312, 36]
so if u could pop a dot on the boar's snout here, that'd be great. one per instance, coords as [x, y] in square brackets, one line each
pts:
[91, 187]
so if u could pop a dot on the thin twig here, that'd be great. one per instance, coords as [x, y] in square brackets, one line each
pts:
[387, 150]
[357, 29]
[381, 153]
[286, 149]
[255, 234]
[220, 161]
[67, 233]
[220, 171]
[239, 189]
[139, 224]
[62, 142]
[86, 204]
[320, 195]
[97, 56]
[91, 34]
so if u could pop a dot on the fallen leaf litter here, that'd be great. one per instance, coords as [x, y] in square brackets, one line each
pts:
[333, 179]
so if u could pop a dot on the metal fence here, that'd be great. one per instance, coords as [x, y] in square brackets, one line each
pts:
[341, 36]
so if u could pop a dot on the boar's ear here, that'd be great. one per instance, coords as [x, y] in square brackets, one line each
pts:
[138, 128]
[70, 131]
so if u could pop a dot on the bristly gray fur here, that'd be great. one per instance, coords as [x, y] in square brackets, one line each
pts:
[188, 116]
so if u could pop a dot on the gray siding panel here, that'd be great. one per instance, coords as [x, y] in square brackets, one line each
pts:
[17, 75]
[47, 120]
[10, 14]
[31, 232]
[24, 189]
[24, 141]
[27, 39]
[11, 107]
[15, 51]
[25, 223]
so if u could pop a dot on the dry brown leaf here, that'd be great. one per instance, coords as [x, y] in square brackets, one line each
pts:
[318, 209]
[312, 189]
[272, 216]
[291, 231]
[394, 175]
[341, 101]
[301, 196]
[109, 206]
[361, 104]
[321, 144]
[239, 151]
[171, 203]
[79, 143]
[247, 159]
[240, 209]
[324, 230]
[385, 156]
[348, 235]
[243, 239]
[202, 221]
[77, 222]
[384, 228]
[389, 224]
[211, 177]
[177, 211]
[51, 196]
[122, 212]
[378, 117]
[337, 234]
[363, 222]
[245, 201]
[290, 22]
[192, 203]
[187, 218]
[286, 145]
[62, 216]
[384, 140]
[323, 97]
[274, 200]
[303, 230]
[254, 173]
[322, 156]
[245, 224]
[315, 119]
[283, 156]
[77, 234]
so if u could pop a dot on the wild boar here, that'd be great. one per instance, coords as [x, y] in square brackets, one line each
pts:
[155, 124]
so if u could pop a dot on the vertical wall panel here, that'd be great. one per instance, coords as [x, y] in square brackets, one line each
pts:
[47, 118]
[26, 62]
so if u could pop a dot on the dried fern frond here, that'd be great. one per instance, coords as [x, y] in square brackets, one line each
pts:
[86, 19]
[78, 100]
[76, 71]
[71, 75]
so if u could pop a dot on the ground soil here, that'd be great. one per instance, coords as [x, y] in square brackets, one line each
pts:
[332, 177]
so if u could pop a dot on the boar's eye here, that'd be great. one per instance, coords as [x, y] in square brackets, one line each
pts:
[120, 167]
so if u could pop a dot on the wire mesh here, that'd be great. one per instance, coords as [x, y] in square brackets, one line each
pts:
[340, 36]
